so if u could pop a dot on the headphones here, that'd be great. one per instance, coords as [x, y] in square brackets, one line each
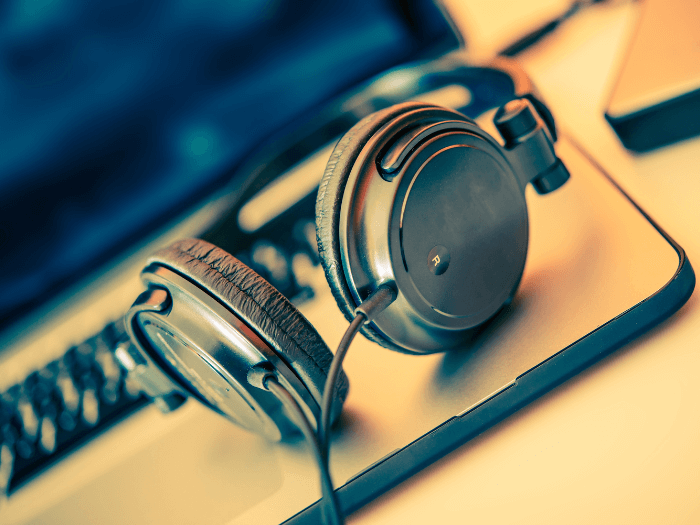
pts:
[417, 202]
[421, 197]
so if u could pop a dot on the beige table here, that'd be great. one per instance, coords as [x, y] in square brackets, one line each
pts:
[620, 443]
[616, 444]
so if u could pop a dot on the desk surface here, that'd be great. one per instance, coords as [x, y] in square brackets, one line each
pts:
[615, 444]
[619, 442]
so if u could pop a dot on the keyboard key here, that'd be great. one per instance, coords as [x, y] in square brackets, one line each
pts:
[48, 435]
[91, 406]
[30, 421]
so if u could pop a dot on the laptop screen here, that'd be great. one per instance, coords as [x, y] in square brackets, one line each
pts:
[116, 115]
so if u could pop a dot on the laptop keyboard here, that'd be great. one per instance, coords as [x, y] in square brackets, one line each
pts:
[61, 406]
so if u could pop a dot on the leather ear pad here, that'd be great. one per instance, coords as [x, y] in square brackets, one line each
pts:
[261, 307]
[329, 200]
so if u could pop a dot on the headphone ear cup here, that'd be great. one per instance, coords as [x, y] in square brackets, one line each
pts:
[264, 309]
[329, 200]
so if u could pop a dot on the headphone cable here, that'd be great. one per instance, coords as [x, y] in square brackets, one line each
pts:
[331, 510]
[331, 381]
[366, 312]
[376, 303]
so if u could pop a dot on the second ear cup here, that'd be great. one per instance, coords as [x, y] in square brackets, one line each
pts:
[260, 306]
[398, 118]
[329, 201]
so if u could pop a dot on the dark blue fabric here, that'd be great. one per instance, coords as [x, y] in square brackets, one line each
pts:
[115, 114]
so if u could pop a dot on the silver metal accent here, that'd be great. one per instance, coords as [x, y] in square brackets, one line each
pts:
[187, 342]
[138, 364]
[486, 398]
[376, 303]
[124, 357]
[369, 238]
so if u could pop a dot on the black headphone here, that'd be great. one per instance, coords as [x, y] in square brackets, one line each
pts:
[417, 202]
[422, 198]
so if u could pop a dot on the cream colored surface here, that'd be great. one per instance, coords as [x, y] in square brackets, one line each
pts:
[616, 444]
[489, 27]
[648, 77]
[619, 443]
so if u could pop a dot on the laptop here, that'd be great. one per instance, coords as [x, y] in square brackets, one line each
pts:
[122, 460]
